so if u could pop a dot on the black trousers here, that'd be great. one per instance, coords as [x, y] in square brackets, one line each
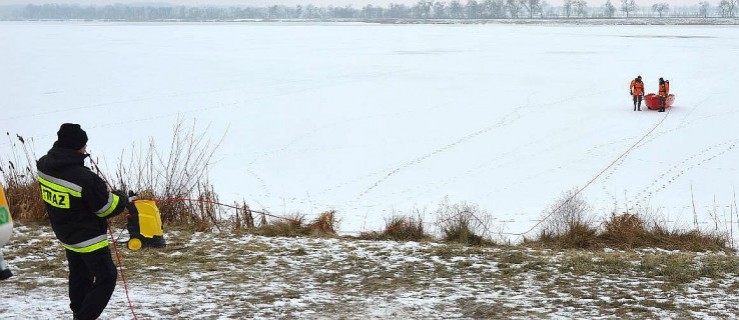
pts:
[637, 98]
[662, 101]
[92, 278]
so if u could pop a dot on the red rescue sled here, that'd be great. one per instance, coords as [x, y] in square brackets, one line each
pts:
[652, 101]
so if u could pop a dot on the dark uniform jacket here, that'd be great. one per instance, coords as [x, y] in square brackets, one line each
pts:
[77, 200]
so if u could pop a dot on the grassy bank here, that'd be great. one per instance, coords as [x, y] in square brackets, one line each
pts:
[240, 275]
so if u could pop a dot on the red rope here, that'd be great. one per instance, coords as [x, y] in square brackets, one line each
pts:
[175, 199]
[591, 180]
[115, 247]
[319, 228]
[123, 275]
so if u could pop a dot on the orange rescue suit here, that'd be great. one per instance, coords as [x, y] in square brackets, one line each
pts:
[664, 89]
[637, 88]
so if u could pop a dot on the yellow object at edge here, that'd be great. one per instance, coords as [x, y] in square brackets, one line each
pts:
[134, 244]
[150, 222]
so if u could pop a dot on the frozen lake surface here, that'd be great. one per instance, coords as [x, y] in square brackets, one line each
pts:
[372, 120]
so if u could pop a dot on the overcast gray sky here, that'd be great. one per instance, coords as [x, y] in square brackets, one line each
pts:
[355, 3]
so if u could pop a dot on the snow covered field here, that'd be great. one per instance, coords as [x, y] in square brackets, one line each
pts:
[375, 119]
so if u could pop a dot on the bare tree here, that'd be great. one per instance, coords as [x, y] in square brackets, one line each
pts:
[440, 11]
[610, 10]
[311, 12]
[456, 10]
[493, 9]
[370, 11]
[422, 9]
[703, 8]
[532, 6]
[628, 6]
[661, 8]
[727, 7]
[567, 8]
[580, 7]
[514, 7]
[398, 11]
[473, 9]
[544, 7]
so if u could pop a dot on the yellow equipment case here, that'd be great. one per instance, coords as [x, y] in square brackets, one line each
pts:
[145, 226]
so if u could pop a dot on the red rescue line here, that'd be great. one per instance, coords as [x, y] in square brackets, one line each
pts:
[115, 246]
[593, 179]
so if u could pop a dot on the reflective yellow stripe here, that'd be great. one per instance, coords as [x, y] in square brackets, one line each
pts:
[109, 207]
[55, 198]
[59, 187]
[90, 248]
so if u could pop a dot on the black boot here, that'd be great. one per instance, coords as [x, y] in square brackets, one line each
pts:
[5, 273]
[4, 269]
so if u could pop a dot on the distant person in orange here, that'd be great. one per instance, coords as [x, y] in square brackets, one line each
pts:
[636, 89]
[664, 90]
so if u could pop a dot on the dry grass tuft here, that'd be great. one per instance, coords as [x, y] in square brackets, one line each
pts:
[569, 227]
[577, 236]
[463, 223]
[459, 230]
[399, 228]
[19, 182]
[242, 219]
[625, 231]
[290, 227]
[568, 224]
[325, 224]
[691, 240]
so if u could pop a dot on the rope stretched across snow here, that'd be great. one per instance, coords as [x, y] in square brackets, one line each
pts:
[575, 194]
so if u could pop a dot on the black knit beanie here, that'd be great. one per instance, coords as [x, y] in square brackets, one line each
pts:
[71, 136]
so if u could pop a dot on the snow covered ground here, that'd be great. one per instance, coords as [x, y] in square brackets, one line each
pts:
[227, 276]
[372, 120]
[375, 119]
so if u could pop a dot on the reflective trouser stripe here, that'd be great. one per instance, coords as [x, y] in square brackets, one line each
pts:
[88, 245]
[108, 208]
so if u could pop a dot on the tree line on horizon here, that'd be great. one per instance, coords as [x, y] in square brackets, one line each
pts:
[423, 9]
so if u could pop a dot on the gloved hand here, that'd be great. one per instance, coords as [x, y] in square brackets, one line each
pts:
[120, 193]
[131, 195]
[631, 93]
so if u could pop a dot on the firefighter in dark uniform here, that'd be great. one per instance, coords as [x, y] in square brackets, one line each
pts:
[79, 202]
